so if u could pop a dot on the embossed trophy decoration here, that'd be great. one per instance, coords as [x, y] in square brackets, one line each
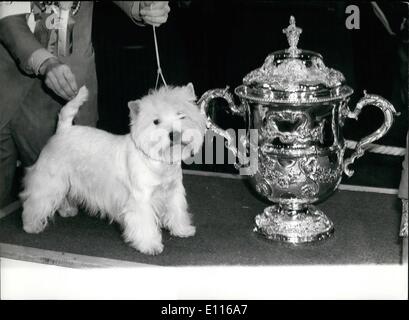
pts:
[298, 105]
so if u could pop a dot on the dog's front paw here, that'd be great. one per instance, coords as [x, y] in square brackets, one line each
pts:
[68, 212]
[152, 249]
[34, 227]
[183, 231]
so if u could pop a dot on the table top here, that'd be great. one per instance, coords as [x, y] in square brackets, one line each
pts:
[366, 232]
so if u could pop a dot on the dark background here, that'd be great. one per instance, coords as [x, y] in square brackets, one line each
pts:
[216, 43]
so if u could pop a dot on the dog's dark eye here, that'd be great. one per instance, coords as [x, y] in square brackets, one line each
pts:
[156, 122]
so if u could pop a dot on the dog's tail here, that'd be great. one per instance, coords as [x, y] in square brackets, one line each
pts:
[69, 111]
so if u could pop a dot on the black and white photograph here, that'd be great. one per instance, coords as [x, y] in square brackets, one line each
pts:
[204, 150]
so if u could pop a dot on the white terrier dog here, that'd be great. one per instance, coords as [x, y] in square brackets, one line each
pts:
[134, 179]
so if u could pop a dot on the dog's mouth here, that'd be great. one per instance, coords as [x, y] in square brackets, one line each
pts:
[181, 143]
[171, 147]
[177, 151]
[177, 139]
[176, 148]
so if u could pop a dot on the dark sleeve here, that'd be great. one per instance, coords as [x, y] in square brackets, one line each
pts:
[131, 8]
[18, 39]
[395, 15]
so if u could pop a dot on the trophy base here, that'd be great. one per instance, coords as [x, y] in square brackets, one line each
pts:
[294, 225]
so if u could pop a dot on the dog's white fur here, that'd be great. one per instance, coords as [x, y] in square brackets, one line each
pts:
[134, 179]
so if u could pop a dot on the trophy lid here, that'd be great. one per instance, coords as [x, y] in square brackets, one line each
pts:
[293, 75]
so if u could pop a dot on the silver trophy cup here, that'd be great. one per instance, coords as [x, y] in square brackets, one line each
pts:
[298, 106]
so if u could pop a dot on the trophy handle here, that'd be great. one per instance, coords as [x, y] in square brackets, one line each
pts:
[204, 109]
[388, 111]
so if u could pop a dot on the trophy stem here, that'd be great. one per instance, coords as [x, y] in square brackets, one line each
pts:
[294, 223]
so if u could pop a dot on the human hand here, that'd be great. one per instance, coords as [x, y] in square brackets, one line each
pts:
[154, 12]
[59, 78]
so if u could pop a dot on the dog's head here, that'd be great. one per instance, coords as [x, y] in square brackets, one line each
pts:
[167, 124]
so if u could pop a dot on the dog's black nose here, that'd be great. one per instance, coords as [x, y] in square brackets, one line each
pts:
[174, 136]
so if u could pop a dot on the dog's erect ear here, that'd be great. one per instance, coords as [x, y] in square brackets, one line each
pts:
[191, 91]
[134, 108]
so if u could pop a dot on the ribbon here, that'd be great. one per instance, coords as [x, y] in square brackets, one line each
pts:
[64, 31]
[61, 25]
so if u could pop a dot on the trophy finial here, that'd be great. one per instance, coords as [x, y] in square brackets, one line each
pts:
[293, 35]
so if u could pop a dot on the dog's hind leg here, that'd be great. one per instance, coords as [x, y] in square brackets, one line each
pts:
[67, 208]
[41, 197]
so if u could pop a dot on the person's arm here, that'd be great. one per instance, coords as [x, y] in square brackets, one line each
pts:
[33, 58]
[23, 46]
[153, 13]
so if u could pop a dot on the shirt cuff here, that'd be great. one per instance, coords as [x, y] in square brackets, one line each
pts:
[37, 58]
[135, 15]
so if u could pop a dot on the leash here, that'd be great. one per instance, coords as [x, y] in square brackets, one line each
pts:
[159, 73]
